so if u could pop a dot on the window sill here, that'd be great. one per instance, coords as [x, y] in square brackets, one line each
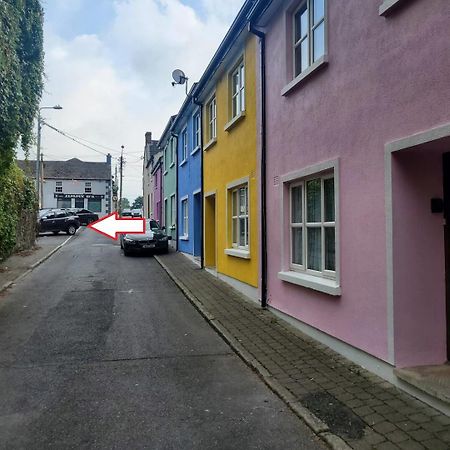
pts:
[210, 144]
[330, 287]
[234, 121]
[238, 253]
[321, 62]
[172, 164]
[196, 149]
[387, 6]
[184, 238]
[182, 163]
[165, 172]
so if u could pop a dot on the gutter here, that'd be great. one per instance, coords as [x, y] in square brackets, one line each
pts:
[263, 218]
[177, 233]
[202, 183]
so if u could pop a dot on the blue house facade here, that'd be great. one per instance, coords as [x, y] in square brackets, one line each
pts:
[187, 127]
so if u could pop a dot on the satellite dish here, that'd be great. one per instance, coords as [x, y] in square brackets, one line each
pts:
[179, 77]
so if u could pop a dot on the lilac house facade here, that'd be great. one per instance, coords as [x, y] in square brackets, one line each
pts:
[358, 130]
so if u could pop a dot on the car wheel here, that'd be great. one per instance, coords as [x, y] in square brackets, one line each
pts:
[126, 252]
[55, 232]
[71, 230]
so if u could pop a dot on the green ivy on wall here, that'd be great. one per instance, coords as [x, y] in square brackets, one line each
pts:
[21, 83]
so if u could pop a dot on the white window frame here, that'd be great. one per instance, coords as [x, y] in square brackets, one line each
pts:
[309, 35]
[173, 209]
[172, 152]
[184, 146]
[196, 130]
[329, 282]
[59, 186]
[237, 95]
[88, 187]
[185, 218]
[235, 196]
[211, 108]
[305, 225]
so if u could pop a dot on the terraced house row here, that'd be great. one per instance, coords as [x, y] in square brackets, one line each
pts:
[309, 168]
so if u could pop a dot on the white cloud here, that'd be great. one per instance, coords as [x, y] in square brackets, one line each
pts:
[115, 85]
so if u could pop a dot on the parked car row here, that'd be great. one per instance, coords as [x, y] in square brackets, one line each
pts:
[56, 220]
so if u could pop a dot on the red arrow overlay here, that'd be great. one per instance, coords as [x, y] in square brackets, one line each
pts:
[112, 225]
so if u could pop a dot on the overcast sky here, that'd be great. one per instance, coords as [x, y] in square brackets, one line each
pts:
[109, 64]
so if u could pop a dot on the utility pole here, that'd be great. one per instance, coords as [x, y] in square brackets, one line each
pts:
[42, 179]
[121, 181]
[38, 150]
[115, 190]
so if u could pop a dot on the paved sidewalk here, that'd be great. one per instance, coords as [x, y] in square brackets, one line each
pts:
[20, 263]
[344, 404]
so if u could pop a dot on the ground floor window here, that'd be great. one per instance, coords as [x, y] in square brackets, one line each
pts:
[64, 203]
[312, 219]
[239, 216]
[173, 209]
[79, 203]
[95, 205]
[185, 218]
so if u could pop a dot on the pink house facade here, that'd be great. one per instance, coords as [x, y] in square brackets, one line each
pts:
[157, 173]
[358, 123]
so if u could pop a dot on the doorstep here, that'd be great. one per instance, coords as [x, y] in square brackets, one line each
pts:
[434, 380]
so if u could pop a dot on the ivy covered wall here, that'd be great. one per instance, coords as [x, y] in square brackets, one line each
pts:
[21, 82]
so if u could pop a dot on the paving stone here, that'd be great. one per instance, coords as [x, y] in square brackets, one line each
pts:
[435, 444]
[411, 445]
[420, 435]
[397, 436]
[387, 446]
[384, 427]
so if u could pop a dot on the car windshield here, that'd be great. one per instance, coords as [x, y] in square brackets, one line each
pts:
[152, 225]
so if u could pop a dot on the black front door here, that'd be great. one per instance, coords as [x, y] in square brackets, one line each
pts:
[446, 179]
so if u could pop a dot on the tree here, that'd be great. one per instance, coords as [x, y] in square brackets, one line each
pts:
[138, 202]
[125, 204]
[21, 84]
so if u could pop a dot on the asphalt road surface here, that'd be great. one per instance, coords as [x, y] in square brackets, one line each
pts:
[102, 351]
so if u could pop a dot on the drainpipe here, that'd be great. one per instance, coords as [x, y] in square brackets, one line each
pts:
[262, 47]
[202, 206]
[175, 137]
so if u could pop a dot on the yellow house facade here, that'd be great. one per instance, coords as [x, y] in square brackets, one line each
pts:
[230, 170]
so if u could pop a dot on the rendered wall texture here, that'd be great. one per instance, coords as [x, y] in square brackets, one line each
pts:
[232, 158]
[386, 78]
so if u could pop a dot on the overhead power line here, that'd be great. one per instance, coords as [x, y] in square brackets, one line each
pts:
[63, 133]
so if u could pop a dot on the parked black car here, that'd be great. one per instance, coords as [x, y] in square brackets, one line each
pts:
[56, 220]
[154, 239]
[86, 217]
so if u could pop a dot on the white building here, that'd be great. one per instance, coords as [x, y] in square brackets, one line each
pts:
[74, 184]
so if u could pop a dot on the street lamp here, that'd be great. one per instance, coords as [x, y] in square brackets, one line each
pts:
[38, 152]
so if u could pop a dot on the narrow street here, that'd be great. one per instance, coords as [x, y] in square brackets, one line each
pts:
[102, 351]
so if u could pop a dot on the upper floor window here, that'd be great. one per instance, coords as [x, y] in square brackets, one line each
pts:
[184, 146]
[237, 90]
[309, 34]
[211, 113]
[87, 187]
[58, 186]
[196, 130]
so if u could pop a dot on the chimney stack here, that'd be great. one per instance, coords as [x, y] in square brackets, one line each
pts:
[108, 158]
[148, 138]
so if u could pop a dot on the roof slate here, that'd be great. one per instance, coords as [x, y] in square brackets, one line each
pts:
[73, 169]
